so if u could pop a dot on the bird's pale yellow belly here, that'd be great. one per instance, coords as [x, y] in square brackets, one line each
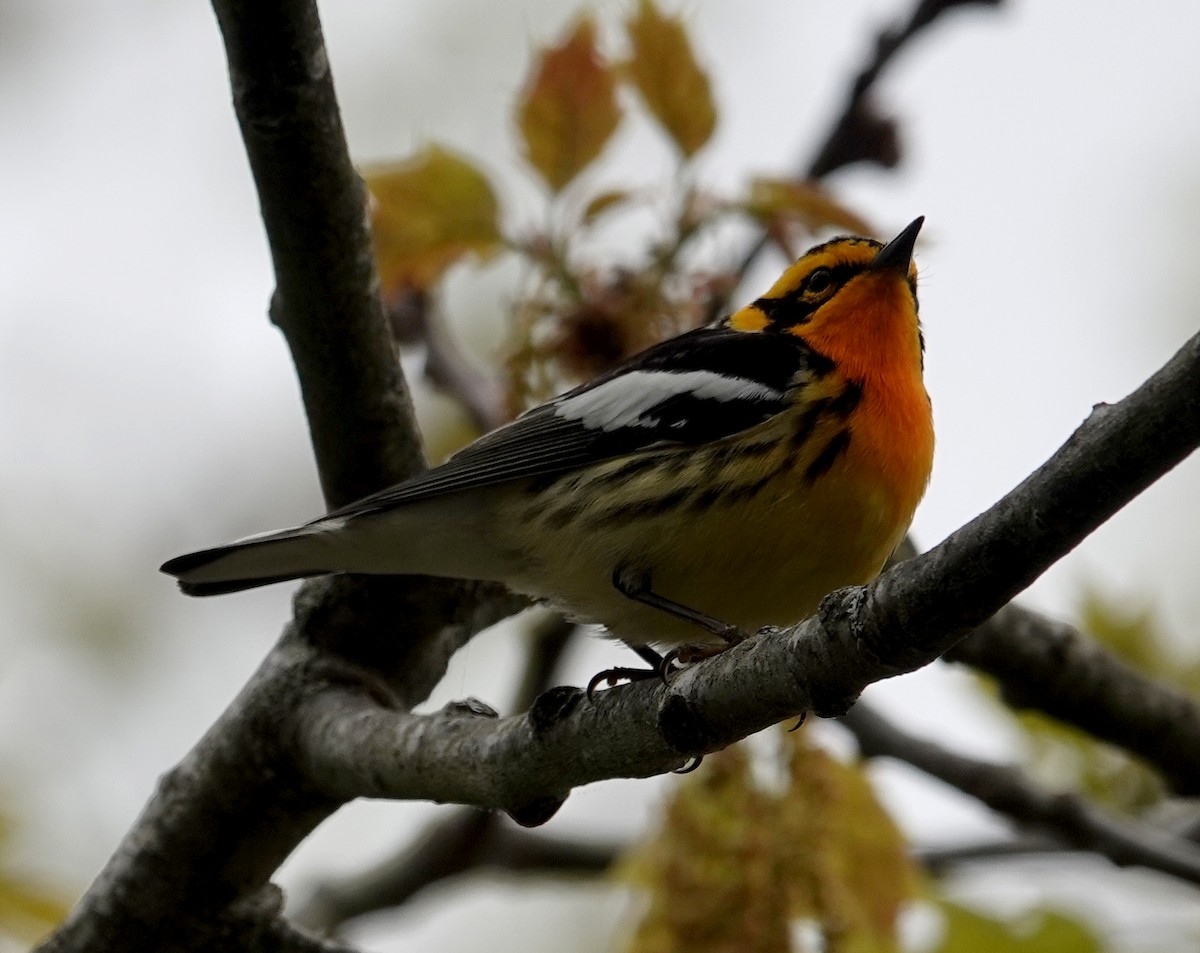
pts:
[764, 551]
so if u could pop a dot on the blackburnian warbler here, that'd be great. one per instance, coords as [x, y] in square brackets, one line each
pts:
[717, 483]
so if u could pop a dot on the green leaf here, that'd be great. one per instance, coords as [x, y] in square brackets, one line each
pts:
[674, 87]
[604, 202]
[1130, 631]
[736, 866]
[569, 109]
[712, 873]
[427, 212]
[1040, 931]
[848, 866]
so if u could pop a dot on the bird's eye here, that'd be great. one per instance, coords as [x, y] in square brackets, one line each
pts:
[819, 281]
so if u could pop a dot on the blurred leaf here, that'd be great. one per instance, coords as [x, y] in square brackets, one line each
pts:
[712, 873]
[1133, 632]
[1129, 631]
[569, 109]
[1041, 931]
[735, 866]
[603, 202]
[27, 911]
[1065, 757]
[847, 864]
[792, 201]
[428, 212]
[672, 84]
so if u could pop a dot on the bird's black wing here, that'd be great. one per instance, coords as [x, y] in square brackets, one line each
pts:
[693, 389]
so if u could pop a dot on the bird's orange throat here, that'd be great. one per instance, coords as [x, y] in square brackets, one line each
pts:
[870, 330]
[874, 339]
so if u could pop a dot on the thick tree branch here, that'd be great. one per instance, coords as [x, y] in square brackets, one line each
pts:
[1064, 817]
[466, 838]
[225, 818]
[314, 208]
[903, 620]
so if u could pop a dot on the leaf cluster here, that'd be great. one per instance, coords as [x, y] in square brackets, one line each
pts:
[577, 317]
[739, 865]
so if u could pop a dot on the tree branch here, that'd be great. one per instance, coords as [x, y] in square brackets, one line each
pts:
[314, 208]
[227, 816]
[938, 860]
[466, 839]
[860, 133]
[1050, 666]
[1065, 817]
[223, 820]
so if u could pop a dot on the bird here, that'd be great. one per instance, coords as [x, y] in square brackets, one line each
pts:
[715, 485]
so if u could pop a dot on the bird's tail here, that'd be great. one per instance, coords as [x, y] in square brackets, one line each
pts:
[256, 561]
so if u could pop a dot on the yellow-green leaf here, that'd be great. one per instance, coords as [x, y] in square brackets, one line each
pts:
[780, 200]
[1129, 630]
[1040, 931]
[569, 108]
[736, 866]
[427, 212]
[847, 863]
[603, 202]
[672, 84]
[712, 873]
[29, 912]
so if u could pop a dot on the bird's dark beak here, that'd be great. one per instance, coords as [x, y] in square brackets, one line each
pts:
[898, 252]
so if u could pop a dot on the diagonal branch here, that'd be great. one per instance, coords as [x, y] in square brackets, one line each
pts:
[1050, 666]
[859, 133]
[1066, 818]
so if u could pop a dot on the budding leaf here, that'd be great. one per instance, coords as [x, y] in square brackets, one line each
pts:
[1038, 931]
[782, 201]
[569, 109]
[426, 213]
[712, 875]
[848, 865]
[674, 87]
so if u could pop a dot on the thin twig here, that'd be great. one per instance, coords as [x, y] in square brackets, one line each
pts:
[465, 839]
[939, 860]
[1065, 817]
[860, 133]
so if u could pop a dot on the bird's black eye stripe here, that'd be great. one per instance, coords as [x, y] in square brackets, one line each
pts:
[795, 306]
